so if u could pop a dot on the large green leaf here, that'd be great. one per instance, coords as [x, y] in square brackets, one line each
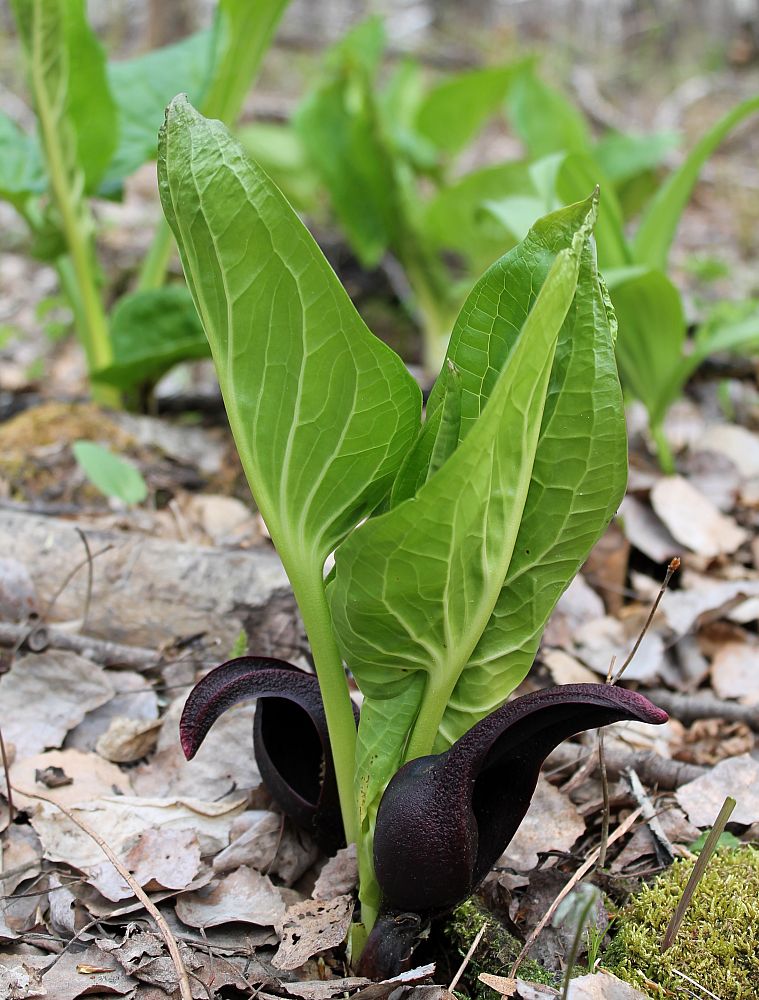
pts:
[543, 118]
[658, 226]
[322, 412]
[75, 109]
[143, 86]
[150, 332]
[21, 170]
[415, 587]
[454, 111]
[651, 335]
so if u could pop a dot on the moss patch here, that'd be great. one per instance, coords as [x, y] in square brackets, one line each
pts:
[717, 945]
[495, 953]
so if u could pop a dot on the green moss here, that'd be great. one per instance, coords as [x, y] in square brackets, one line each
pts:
[717, 945]
[495, 953]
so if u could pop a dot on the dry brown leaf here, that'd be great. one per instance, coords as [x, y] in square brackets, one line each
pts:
[737, 443]
[577, 605]
[134, 698]
[565, 669]
[602, 986]
[708, 741]
[128, 740]
[702, 799]
[552, 823]
[735, 672]
[318, 989]
[20, 981]
[121, 819]
[44, 695]
[225, 761]
[160, 858]
[606, 567]
[143, 955]
[694, 520]
[683, 608]
[18, 596]
[92, 777]
[20, 849]
[598, 642]
[646, 532]
[245, 895]
[339, 876]
[267, 842]
[311, 927]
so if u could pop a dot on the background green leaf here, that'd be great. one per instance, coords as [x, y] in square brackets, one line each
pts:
[658, 226]
[21, 169]
[150, 332]
[112, 475]
[543, 118]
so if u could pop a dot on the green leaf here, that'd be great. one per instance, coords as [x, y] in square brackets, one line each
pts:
[544, 119]
[278, 149]
[437, 440]
[658, 226]
[341, 130]
[415, 587]
[623, 156]
[68, 81]
[143, 86]
[21, 169]
[651, 336]
[454, 218]
[322, 412]
[150, 332]
[578, 174]
[454, 111]
[112, 475]
[245, 30]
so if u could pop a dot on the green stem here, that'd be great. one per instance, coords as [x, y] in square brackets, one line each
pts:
[77, 225]
[155, 265]
[341, 725]
[431, 710]
[663, 451]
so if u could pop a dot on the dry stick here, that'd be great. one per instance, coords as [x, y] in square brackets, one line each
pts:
[70, 576]
[7, 772]
[171, 944]
[698, 872]
[582, 870]
[90, 574]
[612, 678]
[100, 650]
[467, 957]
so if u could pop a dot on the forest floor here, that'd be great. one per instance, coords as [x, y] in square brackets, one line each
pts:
[109, 614]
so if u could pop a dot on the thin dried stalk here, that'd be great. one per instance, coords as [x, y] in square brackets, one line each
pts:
[581, 871]
[467, 958]
[183, 979]
[698, 872]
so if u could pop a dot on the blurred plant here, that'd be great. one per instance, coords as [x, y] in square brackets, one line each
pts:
[654, 353]
[114, 476]
[389, 150]
[97, 122]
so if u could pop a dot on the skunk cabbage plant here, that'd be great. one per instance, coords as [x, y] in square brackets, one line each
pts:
[453, 535]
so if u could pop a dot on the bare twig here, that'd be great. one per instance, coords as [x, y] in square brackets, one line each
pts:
[88, 592]
[100, 650]
[467, 958]
[613, 678]
[621, 830]
[689, 708]
[652, 768]
[163, 928]
[673, 567]
[7, 772]
[70, 576]
[698, 872]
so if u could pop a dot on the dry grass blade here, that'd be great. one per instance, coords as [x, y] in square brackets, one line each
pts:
[581, 871]
[7, 772]
[698, 872]
[467, 958]
[183, 978]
